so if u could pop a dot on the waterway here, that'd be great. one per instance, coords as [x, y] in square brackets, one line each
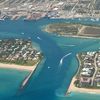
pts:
[53, 75]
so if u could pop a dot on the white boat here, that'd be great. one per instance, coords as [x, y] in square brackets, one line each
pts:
[22, 33]
[2, 19]
[79, 19]
[97, 19]
[92, 19]
[29, 37]
[38, 38]
[49, 67]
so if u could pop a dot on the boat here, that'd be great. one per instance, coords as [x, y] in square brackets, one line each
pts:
[2, 19]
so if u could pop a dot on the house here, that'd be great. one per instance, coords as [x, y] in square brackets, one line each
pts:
[85, 74]
[98, 84]
[87, 63]
[91, 53]
[98, 64]
[85, 82]
[97, 81]
[86, 70]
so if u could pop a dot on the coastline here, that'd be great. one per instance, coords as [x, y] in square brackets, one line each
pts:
[19, 67]
[75, 36]
[82, 37]
[73, 88]
[29, 76]
[45, 29]
[31, 69]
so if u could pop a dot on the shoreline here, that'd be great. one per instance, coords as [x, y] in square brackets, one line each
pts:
[31, 69]
[45, 29]
[29, 76]
[82, 37]
[18, 67]
[73, 36]
[73, 88]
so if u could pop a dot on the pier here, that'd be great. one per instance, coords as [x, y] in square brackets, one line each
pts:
[29, 76]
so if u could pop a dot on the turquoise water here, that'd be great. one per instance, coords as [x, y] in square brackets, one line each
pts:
[51, 79]
[9, 82]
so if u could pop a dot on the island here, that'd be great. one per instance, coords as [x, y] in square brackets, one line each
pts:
[19, 54]
[73, 30]
[87, 78]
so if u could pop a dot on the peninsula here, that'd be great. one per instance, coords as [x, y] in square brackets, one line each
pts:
[18, 54]
[73, 30]
[87, 79]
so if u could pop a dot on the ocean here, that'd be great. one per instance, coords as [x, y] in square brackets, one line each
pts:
[52, 77]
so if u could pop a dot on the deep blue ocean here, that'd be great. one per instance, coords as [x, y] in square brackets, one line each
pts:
[52, 77]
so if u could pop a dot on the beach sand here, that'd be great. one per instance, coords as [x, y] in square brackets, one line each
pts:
[18, 67]
[73, 88]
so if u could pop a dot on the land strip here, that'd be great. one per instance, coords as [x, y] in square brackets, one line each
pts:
[87, 78]
[73, 30]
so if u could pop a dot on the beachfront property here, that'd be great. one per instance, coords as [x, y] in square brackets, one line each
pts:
[36, 9]
[18, 51]
[88, 75]
[19, 54]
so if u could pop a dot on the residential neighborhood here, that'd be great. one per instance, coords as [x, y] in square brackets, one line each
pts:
[18, 51]
[37, 9]
[88, 75]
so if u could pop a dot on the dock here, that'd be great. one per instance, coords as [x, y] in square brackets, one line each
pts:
[24, 83]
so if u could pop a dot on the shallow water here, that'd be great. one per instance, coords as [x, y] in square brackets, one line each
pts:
[9, 82]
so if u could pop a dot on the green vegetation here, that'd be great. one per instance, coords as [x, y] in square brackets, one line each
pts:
[18, 52]
[88, 75]
[62, 28]
[73, 29]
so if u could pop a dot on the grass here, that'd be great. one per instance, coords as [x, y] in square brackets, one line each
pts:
[72, 29]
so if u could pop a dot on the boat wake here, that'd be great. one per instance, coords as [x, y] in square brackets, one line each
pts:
[70, 45]
[61, 61]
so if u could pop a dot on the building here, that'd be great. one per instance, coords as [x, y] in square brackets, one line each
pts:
[85, 82]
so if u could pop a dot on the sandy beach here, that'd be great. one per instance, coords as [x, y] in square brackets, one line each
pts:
[72, 88]
[18, 67]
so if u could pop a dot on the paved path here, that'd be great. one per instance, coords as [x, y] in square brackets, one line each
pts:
[95, 69]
